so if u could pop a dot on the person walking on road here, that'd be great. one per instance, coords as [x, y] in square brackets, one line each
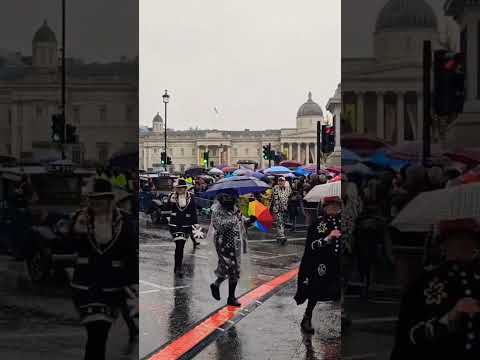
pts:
[279, 207]
[183, 216]
[106, 269]
[228, 232]
[319, 273]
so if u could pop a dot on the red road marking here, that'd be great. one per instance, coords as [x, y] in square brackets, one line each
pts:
[190, 339]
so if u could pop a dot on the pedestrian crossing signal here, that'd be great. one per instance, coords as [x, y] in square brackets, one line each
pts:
[163, 158]
[206, 156]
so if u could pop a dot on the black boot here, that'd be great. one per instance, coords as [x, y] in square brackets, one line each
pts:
[179, 244]
[215, 291]
[232, 300]
[306, 325]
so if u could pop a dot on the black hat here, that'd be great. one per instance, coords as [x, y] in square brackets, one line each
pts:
[181, 183]
[101, 188]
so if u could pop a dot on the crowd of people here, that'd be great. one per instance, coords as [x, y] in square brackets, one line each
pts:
[441, 284]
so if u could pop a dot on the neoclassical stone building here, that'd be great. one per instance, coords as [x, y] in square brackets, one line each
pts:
[382, 95]
[186, 147]
[102, 102]
[463, 131]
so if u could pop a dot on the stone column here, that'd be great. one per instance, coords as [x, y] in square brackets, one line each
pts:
[419, 116]
[338, 116]
[15, 136]
[360, 113]
[290, 151]
[228, 154]
[400, 117]
[298, 152]
[380, 115]
[315, 153]
[472, 59]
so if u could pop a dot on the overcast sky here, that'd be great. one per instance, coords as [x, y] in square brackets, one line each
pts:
[96, 30]
[255, 61]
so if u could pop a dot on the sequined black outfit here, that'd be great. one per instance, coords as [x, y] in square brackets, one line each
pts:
[423, 330]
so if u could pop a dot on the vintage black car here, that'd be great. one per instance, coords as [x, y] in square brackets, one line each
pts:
[45, 245]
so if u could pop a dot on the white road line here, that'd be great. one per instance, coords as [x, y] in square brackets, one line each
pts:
[274, 240]
[375, 320]
[158, 245]
[360, 357]
[162, 287]
[272, 257]
[198, 256]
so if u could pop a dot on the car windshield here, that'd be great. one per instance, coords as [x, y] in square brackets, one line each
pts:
[54, 189]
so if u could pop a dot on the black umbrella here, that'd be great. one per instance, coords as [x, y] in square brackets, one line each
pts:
[195, 171]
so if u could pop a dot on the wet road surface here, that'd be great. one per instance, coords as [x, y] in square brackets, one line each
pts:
[170, 307]
[40, 322]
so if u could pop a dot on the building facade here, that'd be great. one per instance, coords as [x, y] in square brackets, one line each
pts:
[101, 101]
[382, 95]
[186, 147]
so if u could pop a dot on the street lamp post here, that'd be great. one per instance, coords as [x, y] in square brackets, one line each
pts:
[166, 99]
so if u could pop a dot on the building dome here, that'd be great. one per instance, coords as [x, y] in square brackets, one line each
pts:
[406, 14]
[310, 108]
[157, 118]
[44, 34]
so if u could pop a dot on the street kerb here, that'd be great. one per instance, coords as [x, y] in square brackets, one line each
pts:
[214, 325]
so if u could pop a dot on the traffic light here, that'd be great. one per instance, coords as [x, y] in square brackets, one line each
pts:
[266, 152]
[58, 129]
[163, 158]
[449, 82]
[71, 137]
[328, 139]
[169, 160]
[205, 158]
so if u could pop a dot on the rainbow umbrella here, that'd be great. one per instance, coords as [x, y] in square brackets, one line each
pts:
[264, 217]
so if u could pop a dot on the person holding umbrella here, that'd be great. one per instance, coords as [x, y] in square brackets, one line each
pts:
[183, 216]
[319, 273]
[228, 230]
[279, 207]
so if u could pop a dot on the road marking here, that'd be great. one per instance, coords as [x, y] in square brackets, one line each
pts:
[274, 240]
[158, 245]
[162, 287]
[257, 257]
[360, 357]
[193, 338]
[378, 320]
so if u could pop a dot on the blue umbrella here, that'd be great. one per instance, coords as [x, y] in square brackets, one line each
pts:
[381, 159]
[301, 172]
[259, 175]
[243, 172]
[278, 170]
[241, 184]
[349, 157]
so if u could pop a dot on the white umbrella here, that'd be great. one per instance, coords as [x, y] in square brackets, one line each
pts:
[429, 208]
[321, 191]
[215, 171]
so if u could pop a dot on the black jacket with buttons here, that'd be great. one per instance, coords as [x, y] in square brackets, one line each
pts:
[182, 218]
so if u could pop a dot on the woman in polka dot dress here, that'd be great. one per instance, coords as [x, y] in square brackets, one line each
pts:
[229, 230]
